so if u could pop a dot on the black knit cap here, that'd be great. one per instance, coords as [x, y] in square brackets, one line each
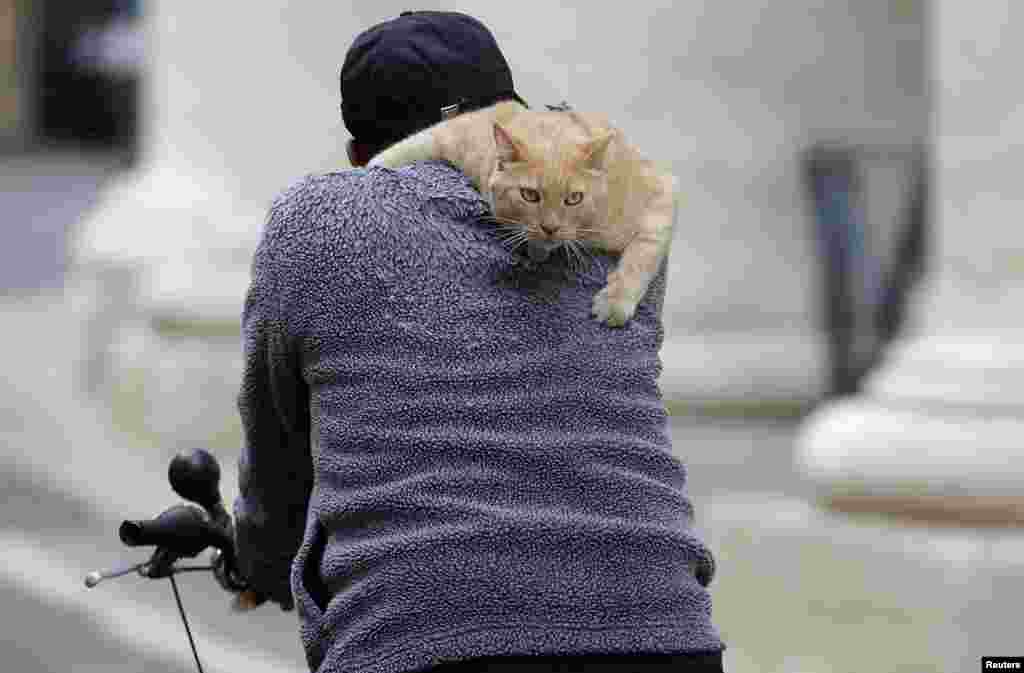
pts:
[400, 74]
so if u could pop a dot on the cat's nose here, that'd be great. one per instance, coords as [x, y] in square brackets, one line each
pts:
[549, 229]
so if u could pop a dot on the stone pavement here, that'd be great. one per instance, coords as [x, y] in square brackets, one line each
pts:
[797, 590]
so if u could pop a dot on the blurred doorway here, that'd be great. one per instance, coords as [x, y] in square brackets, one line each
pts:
[88, 73]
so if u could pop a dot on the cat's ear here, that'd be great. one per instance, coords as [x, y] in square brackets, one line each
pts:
[508, 149]
[592, 152]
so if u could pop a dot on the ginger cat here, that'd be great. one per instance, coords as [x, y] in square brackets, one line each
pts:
[560, 179]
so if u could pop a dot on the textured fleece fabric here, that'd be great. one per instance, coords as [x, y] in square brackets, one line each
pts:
[446, 457]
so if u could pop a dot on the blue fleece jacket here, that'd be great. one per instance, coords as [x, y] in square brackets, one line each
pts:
[446, 457]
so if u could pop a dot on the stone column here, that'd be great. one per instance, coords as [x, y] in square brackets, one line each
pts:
[235, 106]
[939, 429]
[237, 103]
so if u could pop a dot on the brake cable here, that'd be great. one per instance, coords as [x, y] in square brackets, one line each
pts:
[184, 620]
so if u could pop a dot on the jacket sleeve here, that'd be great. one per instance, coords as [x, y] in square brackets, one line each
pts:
[275, 471]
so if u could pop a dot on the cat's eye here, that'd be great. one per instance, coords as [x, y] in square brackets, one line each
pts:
[531, 195]
[574, 198]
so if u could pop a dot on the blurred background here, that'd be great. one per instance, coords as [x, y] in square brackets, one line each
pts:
[843, 343]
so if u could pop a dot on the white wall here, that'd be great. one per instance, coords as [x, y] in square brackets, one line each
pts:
[729, 92]
[244, 99]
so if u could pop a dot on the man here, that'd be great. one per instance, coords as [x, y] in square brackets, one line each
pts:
[448, 462]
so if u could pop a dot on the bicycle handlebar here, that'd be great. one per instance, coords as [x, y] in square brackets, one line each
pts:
[184, 531]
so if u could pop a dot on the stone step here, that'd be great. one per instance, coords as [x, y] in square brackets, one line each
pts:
[800, 589]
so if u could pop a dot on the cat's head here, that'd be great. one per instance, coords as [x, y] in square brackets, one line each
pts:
[550, 180]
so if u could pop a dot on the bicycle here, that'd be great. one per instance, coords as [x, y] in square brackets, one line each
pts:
[184, 531]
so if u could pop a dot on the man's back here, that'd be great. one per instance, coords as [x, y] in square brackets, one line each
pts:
[492, 467]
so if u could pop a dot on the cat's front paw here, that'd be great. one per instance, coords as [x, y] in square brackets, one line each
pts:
[615, 313]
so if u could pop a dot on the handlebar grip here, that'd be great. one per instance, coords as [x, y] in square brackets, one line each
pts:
[183, 529]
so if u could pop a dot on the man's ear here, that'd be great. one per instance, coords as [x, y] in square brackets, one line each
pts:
[592, 152]
[358, 154]
[509, 149]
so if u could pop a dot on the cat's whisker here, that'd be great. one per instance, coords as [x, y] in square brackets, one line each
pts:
[502, 220]
[508, 227]
[513, 238]
[514, 241]
[566, 246]
[569, 257]
[511, 234]
[578, 251]
[509, 231]
[583, 247]
[574, 261]
[584, 256]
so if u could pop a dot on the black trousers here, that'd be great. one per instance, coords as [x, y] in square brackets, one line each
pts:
[600, 663]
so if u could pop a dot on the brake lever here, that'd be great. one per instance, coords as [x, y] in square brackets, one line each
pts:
[97, 576]
[225, 571]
